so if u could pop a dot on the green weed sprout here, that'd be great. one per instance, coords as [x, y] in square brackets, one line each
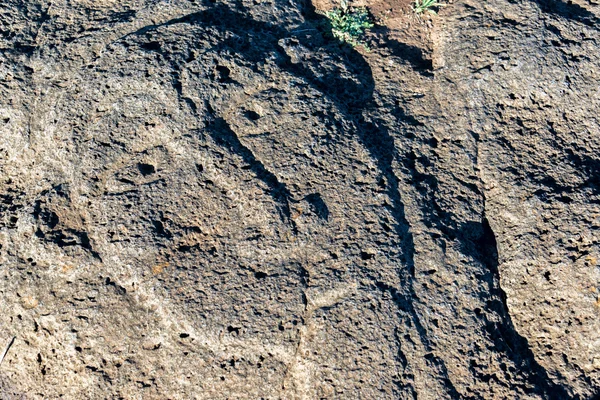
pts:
[425, 5]
[348, 24]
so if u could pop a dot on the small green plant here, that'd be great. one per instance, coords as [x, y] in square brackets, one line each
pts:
[349, 24]
[425, 5]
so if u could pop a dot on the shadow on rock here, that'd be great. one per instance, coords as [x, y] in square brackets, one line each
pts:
[570, 11]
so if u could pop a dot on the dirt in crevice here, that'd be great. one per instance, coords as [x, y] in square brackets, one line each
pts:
[398, 29]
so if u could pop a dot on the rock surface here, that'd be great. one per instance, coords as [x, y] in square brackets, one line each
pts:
[212, 200]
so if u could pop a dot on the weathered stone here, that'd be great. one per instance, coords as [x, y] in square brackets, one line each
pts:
[216, 200]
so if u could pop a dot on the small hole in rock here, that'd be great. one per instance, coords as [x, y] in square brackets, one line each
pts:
[152, 46]
[146, 169]
[223, 72]
[232, 329]
[252, 115]
[547, 275]
[260, 275]
[366, 256]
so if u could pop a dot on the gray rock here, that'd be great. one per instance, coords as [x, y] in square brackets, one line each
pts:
[214, 200]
